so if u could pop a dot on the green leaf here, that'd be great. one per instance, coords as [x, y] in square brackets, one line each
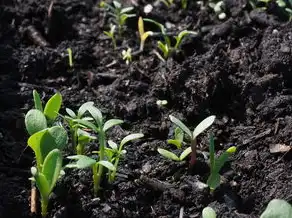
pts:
[168, 154]
[117, 4]
[131, 137]
[37, 101]
[52, 167]
[70, 113]
[164, 48]
[214, 180]
[83, 108]
[277, 208]
[35, 121]
[126, 10]
[208, 212]
[96, 114]
[53, 106]
[219, 162]
[181, 35]
[161, 27]
[206, 123]
[181, 125]
[59, 135]
[107, 164]
[84, 137]
[185, 153]
[42, 184]
[175, 142]
[110, 123]
[179, 134]
[86, 124]
[34, 142]
[112, 144]
[81, 163]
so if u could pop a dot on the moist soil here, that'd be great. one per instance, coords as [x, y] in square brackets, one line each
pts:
[239, 69]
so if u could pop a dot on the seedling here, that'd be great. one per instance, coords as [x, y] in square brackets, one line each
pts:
[143, 35]
[114, 152]
[218, 8]
[165, 47]
[70, 57]
[127, 55]
[111, 34]
[46, 177]
[100, 127]
[79, 136]
[119, 13]
[172, 156]
[217, 163]
[208, 212]
[206, 123]
[38, 119]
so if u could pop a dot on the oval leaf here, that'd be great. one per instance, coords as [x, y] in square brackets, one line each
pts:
[110, 123]
[181, 125]
[277, 208]
[34, 142]
[52, 167]
[112, 144]
[53, 106]
[83, 108]
[35, 121]
[168, 154]
[60, 136]
[107, 164]
[37, 101]
[208, 212]
[70, 113]
[185, 153]
[175, 142]
[96, 114]
[81, 163]
[206, 123]
[131, 137]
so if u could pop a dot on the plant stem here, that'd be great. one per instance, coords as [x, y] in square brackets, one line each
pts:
[80, 149]
[194, 152]
[101, 157]
[44, 205]
[112, 174]
[95, 179]
[74, 137]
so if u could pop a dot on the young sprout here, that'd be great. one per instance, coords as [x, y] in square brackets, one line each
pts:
[178, 138]
[115, 152]
[166, 47]
[111, 34]
[201, 127]
[46, 177]
[143, 35]
[70, 57]
[218, 7]
[100, 127]
[79, 136]
[167, 3]
[208, 212]
[172, 156]
[217, 163]
[127, 55]
[119, 13]
[161, 103]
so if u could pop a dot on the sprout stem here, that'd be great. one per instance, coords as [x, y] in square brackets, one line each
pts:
[194, 152]
[44, 205]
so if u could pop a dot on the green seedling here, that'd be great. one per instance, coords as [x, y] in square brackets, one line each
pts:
[167, 3]
[114, 152]
[178, 138]
[127, 55]
[172, 156]
[79, 136]
[143, 35]
[217, 163]
[46, 177]
[82, 162]
[38, 119]
[70, 57]
[218, 7]
[166, 47]
[111, 34]
[119, 13]
[161, 103]
[208, 212]
[100, 127]
[277, 208]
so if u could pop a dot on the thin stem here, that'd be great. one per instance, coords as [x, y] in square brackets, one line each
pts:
[194, 152]
[74, 137]
[95, 179]
[80, 149]
[112, 174]
[44, 205]
[101, 157]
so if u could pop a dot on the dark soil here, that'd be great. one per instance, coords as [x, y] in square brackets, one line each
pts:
[239, 69]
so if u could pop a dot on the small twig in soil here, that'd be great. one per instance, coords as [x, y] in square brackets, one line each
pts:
[33, 199]
[277, 126]
[50, 9]
[36, 36]
[256, 137]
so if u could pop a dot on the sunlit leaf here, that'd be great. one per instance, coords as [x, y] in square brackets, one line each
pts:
[53, 106]
[35, 121]
[107, 164]
[206, 123]
[181, 125]
[168, 154]
[82, 162]
[110, 123]
[131, 137]
[277, 208]
[185, 153]
[71, 113]
[37, 101]
[84, 107]
[208, 212]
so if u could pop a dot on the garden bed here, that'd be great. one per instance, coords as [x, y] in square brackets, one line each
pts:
[239, 69]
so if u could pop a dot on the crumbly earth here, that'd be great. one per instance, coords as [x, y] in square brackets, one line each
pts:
[239, 69]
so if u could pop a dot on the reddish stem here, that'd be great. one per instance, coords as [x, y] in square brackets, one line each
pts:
[194, 153]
